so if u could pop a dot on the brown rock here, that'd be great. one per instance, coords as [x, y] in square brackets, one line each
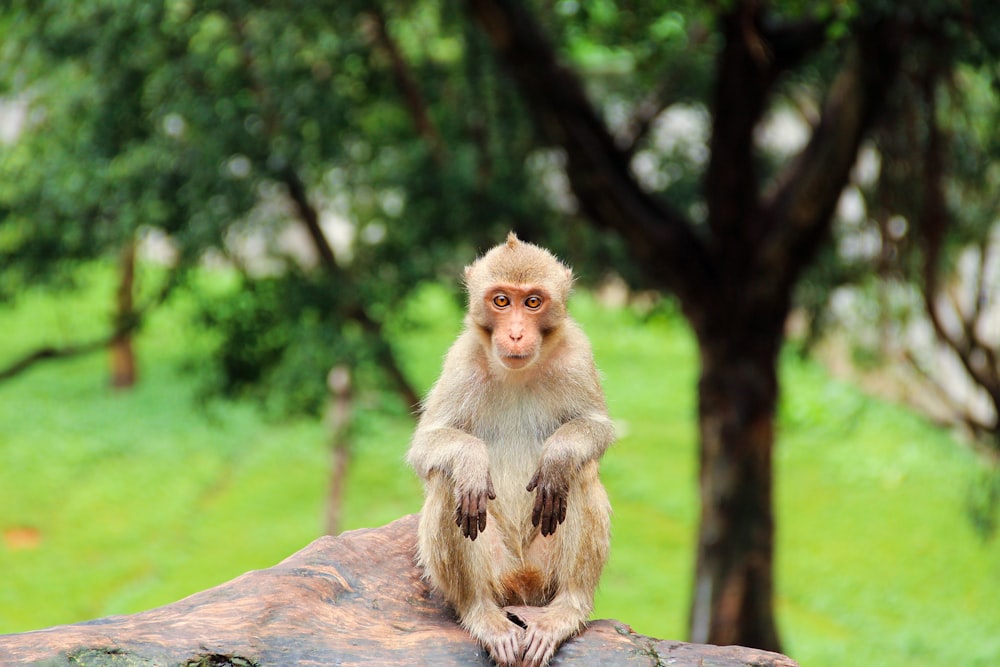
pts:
[356, 599]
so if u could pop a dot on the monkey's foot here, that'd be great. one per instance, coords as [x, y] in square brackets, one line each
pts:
[546, 628]
[502, 638]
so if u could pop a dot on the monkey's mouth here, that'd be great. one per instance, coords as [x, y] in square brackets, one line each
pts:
[516, 360]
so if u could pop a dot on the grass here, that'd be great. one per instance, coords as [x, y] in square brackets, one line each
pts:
[117, 502]
[875, 543]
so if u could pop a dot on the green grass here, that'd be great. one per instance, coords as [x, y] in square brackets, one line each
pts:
[879, 563]
[143, 497]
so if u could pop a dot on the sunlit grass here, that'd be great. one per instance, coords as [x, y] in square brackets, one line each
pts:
[116, 502]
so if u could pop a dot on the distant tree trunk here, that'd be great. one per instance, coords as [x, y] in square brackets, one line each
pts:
[339, 422]
[123, 366]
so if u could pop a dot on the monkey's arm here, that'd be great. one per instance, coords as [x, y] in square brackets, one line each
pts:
[565, 452]
[445, 449]
[580, 440]
[464, 459]
[575, 443]
[587, 431]
[439, 446]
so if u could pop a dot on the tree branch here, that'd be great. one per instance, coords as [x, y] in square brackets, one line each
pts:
[667, 92]
[935, 220]
[980, 298]
[799, 209]
[745, 73]
[959, 411]
[56, 352]
[932, 230]
[309, 216]
[383, 351]
[123, 327]
[754, 55]
[968, 333]
[637, 127]
[598, 170]
[792, 42]
[407, 85]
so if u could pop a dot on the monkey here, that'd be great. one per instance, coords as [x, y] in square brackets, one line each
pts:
[515, 525]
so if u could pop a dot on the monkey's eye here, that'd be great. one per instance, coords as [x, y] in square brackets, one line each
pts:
[501, 301]
[533, 301]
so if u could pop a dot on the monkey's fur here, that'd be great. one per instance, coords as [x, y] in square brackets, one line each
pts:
[508, 447]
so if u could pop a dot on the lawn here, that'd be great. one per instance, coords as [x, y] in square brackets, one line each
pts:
[117, 502]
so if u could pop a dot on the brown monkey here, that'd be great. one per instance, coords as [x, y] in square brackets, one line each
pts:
[514, 528]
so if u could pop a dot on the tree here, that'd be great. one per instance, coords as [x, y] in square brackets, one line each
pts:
[922, 251]
[954, 160]
[733, 269]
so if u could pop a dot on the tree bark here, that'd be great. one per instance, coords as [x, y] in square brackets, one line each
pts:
[734, 588]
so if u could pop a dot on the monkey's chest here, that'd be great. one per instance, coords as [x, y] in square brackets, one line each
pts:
[514, 423]
[514, 457]
[515, 429]
[513, 461]
[515, 449]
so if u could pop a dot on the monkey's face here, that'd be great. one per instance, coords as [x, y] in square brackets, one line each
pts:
[517, 318]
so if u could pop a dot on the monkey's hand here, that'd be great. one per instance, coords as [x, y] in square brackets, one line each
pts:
[470, 505]
[550, 500]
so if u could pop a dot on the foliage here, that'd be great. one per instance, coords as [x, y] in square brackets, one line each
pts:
[187, 120]
[918, 246]
[219, 126]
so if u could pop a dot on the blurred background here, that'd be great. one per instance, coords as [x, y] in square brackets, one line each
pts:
[231, 237]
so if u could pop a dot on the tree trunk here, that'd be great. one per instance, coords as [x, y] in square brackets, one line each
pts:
[123, 367]
[338, 421]
[733, 588]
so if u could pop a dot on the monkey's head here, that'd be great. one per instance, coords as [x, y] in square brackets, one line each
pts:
[517, 297]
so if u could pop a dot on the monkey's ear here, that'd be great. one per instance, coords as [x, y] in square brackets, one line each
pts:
[512, 240]
[468, 274]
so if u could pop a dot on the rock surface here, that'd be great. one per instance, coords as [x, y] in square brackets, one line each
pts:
[356, 599]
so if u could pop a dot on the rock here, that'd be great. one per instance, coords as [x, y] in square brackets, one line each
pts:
[356, 599]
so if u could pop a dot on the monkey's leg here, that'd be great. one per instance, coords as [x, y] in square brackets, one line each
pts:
[467, 573]
[579, 550]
